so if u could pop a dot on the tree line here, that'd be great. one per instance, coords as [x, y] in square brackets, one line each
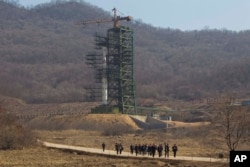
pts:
[42, 56]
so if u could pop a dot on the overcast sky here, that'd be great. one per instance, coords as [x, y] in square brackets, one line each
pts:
[179, 14]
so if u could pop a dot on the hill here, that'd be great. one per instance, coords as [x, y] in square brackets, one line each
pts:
[108, 124]
[29, 111]
[42, 56]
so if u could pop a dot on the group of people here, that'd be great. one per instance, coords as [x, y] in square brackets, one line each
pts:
[151, 149]
[146, 149]
[118, 148]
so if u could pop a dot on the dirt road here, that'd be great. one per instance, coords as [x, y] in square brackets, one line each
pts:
[127, 154]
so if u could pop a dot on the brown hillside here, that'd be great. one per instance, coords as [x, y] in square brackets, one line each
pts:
[106, 123]
[43, 56]
[112, 119]
[24, 110]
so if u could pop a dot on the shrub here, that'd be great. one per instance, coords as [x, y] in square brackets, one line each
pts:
[13, 135]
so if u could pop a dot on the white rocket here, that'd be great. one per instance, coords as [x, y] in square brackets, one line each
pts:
[104, 79]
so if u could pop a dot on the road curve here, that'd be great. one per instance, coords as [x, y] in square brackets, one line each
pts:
[126, 154]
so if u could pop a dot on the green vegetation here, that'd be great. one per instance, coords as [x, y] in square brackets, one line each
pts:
[42, 56]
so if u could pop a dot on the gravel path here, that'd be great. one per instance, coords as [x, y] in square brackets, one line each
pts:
[127, 154]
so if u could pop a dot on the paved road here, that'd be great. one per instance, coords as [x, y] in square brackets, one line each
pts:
[127, 154]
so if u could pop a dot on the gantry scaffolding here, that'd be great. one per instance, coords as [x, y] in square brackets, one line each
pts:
[119, 69]
[120, 74]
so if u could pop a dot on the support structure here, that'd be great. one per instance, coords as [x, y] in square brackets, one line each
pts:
[115, 69]
[120, 62]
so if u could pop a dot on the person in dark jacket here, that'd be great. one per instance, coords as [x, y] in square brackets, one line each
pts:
[159, 149]
[166, 149]
[103, 146]
[175, 149]
[120, 148]
[153, 149]
[117, 148]
[132, 148]
[136, 149]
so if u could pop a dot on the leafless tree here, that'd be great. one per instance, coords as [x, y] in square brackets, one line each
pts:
[13, 135]
[231, 123]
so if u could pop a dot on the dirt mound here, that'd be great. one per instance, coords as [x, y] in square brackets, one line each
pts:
[107, 123]
[10, 103]
[186, 124]
[112, 118]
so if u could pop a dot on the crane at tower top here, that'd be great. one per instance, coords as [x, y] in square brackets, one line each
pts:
[115, 20]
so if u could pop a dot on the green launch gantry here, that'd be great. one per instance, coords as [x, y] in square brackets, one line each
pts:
[116, 67]
[120, 73]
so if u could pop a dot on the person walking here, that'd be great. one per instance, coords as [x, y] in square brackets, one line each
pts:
[136, 149]
[175, 149]
[166, 150]
[149, 150]
[132, 148]
[103, 146]
[153, 149]
[159, 149]
[120, 148]
[117, 148]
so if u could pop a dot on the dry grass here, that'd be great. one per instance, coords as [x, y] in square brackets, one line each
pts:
[42, 157]
[187, 146]
[19, 107]
[193, 139]
[185, 124]
[108, 124]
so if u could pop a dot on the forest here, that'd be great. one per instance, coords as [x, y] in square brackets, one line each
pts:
[42, 56]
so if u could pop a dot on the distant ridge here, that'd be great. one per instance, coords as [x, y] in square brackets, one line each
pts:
[42, 56]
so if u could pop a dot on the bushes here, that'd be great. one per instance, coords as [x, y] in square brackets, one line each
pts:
[12, 134]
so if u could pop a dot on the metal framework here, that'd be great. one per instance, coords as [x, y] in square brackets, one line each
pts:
[120, 63]
[119, 69]
[94, 60]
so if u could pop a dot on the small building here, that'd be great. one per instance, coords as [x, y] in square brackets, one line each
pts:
[245, 103]
[166, 117]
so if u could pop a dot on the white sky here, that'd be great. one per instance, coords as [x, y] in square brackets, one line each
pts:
[179, 14]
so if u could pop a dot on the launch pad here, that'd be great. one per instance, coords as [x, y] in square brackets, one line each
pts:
[114, 71]
[114, 68]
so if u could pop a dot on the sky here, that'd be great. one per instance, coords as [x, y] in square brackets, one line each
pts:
[178, 14]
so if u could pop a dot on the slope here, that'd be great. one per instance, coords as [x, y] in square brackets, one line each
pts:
[42, 56]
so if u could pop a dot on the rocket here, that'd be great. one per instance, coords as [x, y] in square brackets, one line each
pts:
[104, 78]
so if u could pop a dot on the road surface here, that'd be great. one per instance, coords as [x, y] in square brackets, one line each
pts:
[127, 154]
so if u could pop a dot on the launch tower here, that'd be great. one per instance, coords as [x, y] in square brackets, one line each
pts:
[114, 68]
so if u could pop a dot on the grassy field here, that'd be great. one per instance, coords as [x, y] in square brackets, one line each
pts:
[186, 146]
[113, 129]
[192, 139]
[43, 157]
[39, 156]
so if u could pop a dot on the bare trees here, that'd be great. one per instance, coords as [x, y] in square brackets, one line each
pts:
[12, 134]
[232, 124]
